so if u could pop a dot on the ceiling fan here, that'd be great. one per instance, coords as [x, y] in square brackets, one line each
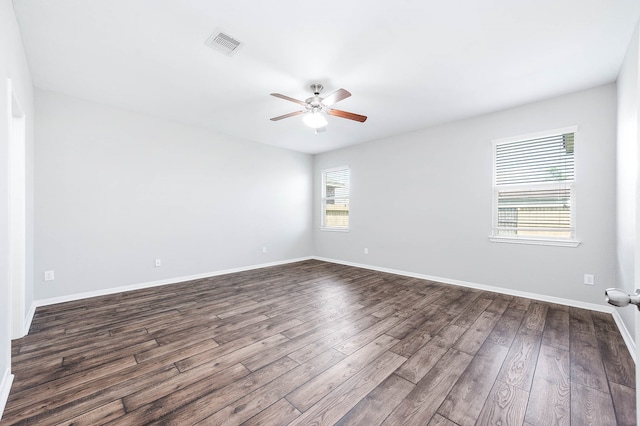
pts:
[315, 107]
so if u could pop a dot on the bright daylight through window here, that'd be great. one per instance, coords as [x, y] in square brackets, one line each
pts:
[534, 190]
[335, 198]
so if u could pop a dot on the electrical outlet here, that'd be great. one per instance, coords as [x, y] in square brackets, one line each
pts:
[589, 279]
[264, 250]
[158, 263]
[366, 250]
[49, 276]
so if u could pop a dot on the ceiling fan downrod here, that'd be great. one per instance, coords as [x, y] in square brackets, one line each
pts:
[316, 88]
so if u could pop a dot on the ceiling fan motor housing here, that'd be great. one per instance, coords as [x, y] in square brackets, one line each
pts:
[315, 102]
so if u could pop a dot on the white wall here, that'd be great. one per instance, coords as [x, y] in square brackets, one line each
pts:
[628, 140]
[422, 202]
[115, 190]
[13, 65]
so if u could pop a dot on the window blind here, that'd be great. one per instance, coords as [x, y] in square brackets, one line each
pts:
[335, 198]
[546, 159]
[337, 183]
[534, 187]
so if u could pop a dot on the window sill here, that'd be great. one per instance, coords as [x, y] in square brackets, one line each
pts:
[334, 229]
[536, 241]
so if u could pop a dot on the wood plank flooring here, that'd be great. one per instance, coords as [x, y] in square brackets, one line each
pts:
[318, 343]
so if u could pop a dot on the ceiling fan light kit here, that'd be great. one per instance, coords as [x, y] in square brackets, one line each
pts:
[314, 120]
[315, 107]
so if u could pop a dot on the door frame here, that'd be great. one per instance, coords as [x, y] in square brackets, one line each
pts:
[17, 214]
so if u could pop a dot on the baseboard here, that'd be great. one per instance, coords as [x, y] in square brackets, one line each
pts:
[26, 325]
[5, 388]
[113, 290]
[29, 319]
[628, 339]
[502, 290]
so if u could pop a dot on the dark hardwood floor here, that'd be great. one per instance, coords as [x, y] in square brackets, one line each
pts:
[318, 343]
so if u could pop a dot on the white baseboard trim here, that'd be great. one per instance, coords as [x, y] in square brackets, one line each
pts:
[5, 388]
[29, 319]
[628, 339]
[502, 290]
[108, 291]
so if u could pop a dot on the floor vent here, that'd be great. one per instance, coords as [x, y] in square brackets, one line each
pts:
[223, 43]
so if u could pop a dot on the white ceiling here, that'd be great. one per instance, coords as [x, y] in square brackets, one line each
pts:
[409, 64]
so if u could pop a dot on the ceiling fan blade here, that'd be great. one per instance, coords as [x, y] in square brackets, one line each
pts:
[345, 114]
[335, 97]
[287, 98]
[291, 114]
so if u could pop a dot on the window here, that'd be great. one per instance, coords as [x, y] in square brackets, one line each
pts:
[335, 198]
[534, 189]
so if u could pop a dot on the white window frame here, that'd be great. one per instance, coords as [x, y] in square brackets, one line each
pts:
[324, 199]
[535, 240]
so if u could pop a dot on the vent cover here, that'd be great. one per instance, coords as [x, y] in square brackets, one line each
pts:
[223, 43]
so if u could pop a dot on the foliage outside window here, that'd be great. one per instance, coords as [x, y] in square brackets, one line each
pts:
[335, 198]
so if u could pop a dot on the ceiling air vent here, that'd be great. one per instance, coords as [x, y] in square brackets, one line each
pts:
[223, 43]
